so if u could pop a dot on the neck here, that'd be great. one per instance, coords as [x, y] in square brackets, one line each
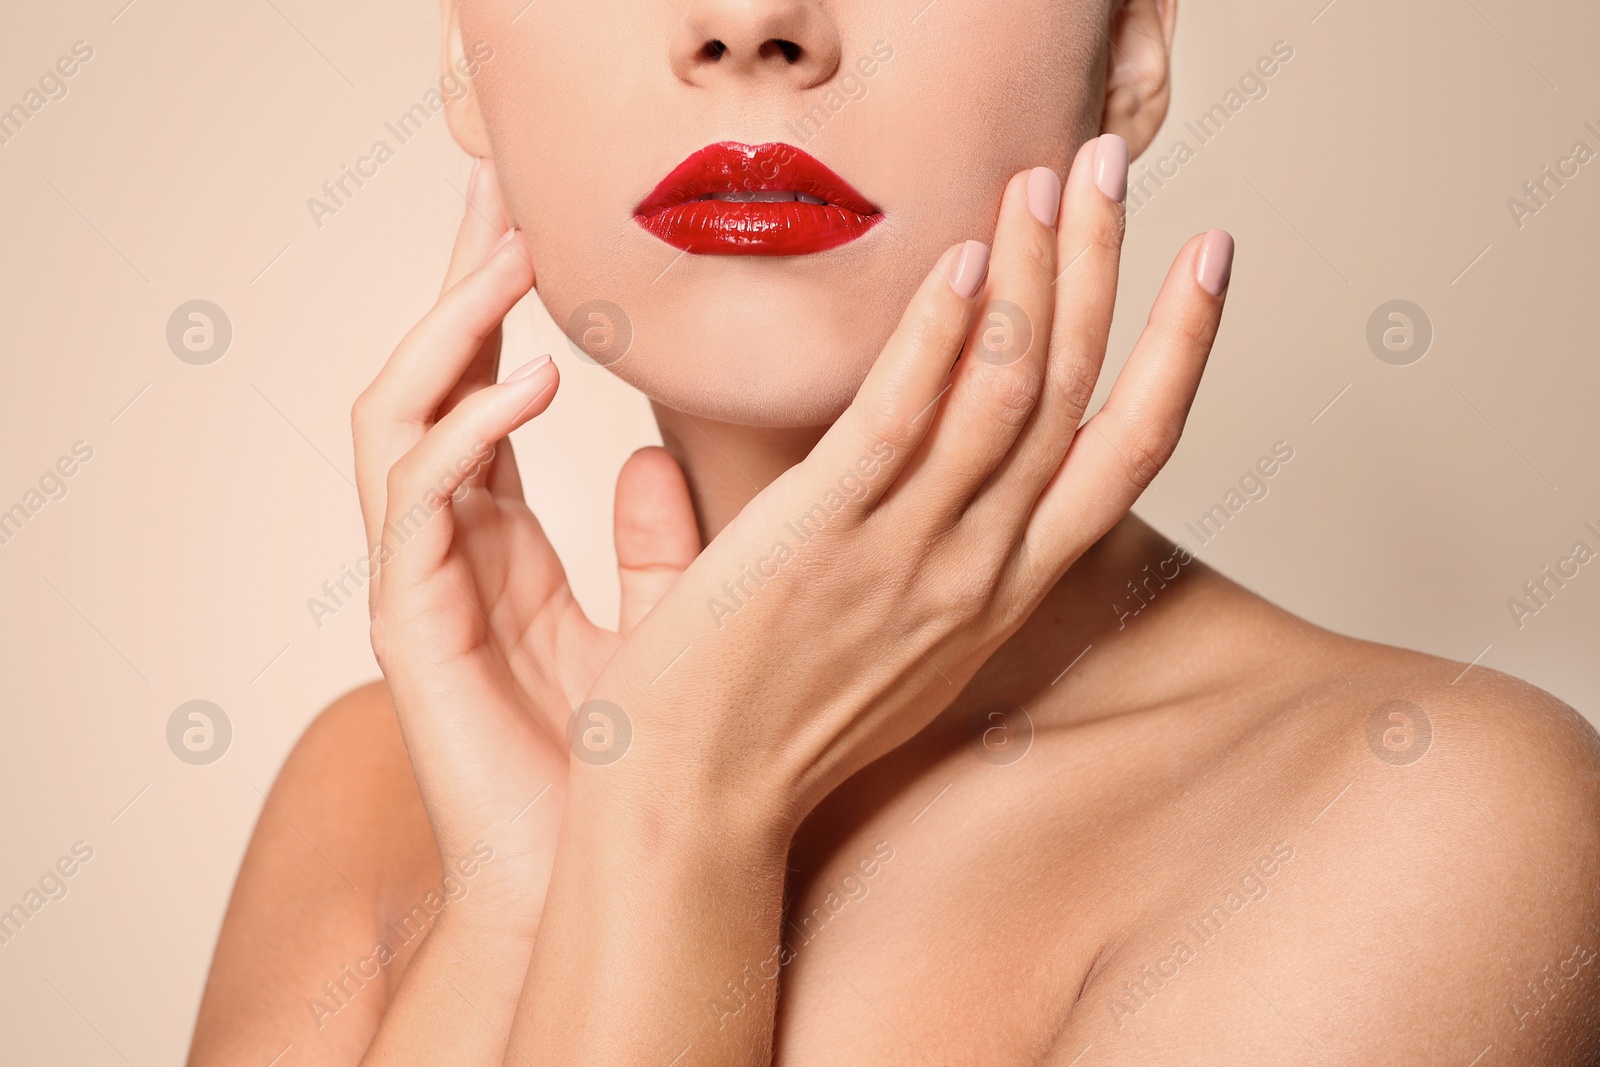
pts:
[727, 465]
[1121, 596]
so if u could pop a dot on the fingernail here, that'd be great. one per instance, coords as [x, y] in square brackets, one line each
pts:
[527, 369]
[1111, 166]
[969, 262]
[472, 179]
[505, 239]
[1215, 264]
[1044, 195]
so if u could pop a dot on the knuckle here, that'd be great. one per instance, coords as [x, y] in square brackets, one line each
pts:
[1039, 251]
[970, 593]
[1072, 380]
[1011, 393]
[399, 481]
[1106, 230]
[1194, 329]
[362, 412]
[1146, 451]
[885, 419]
[378, 634]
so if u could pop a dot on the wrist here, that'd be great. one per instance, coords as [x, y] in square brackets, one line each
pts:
[661, 812]
[660, 764]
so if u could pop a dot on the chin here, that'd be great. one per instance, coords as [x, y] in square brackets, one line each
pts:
[773, 342]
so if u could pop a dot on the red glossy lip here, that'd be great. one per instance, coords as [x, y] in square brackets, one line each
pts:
[683, 212]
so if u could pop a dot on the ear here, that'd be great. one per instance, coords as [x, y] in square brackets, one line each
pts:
[462, 113]
[1139, 74]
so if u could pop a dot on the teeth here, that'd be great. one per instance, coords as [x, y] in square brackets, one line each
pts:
[767, 196]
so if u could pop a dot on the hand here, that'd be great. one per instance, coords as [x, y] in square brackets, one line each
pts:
[845, 607]
[483, 646]
[852, 600]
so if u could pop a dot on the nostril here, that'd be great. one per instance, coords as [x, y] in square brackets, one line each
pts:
[789, 50]
[714, 50]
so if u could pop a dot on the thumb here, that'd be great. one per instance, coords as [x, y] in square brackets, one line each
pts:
[656, 533]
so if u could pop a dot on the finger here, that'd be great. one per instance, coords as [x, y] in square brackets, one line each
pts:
[1124, 446]
[656, 533]
[996, 383]
[393, 413]
[419, 521]
[482, 224]
[486, 222]
[876, 436]
[1089, 251]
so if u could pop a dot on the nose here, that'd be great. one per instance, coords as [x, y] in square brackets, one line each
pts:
[788, 43]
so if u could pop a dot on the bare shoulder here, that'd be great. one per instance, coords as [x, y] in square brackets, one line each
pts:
[1468, 852]
[1427, 888]
[342, 839]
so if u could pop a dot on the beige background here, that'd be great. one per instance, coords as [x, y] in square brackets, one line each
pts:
[219, 498]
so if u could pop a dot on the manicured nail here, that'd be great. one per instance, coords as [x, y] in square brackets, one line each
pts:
[472, 179]
[1215, 263]
[969, 262]
[1044, 195]
[1111, 166]
[505, 239]
[527, 369]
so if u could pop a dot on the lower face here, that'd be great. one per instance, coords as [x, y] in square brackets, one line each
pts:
[674, 226]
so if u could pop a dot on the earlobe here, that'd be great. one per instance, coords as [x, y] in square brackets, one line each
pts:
[463, 65]
[1138, 71]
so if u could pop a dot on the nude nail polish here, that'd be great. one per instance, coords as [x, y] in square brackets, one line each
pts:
[1214, 265]
[1111, 166]
[970, 267]
[472, 179]
[527, 369]
[1044, 195]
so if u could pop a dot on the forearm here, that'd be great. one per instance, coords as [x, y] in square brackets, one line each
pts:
[659, 937]
[457, 998]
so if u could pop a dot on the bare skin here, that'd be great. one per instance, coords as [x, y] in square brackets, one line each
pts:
[1214, 839]
[1021, 899]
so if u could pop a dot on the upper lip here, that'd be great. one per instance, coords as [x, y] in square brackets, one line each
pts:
[730, 167]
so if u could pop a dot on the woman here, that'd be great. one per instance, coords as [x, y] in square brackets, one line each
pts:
[869, 769]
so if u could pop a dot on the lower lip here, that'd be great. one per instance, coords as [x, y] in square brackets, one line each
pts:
[738, 228]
